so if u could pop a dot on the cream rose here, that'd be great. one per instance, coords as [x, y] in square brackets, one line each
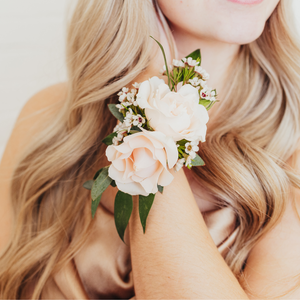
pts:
[176, 114]
[142, 162]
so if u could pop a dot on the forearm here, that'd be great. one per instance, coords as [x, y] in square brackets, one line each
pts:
[176, 257]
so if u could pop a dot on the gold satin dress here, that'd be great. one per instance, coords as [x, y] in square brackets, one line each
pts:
[102, 269]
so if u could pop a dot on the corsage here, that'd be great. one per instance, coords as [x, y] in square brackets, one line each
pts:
[160, 127]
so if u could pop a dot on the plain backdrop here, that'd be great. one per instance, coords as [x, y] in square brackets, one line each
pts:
[32, 45]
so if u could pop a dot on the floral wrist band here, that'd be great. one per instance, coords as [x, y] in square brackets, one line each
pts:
[160, 128]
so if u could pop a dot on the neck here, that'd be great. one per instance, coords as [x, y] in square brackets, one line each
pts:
[217, 56]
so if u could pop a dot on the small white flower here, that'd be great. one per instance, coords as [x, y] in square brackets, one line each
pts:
[178, 63]
[117, 127]
[122, 97]
[202, 83]
[125, 89]
[195, 81]
[129, 113]
[163, 71]
[130, 97]
[191, 147]
[192, 155]
[115, 141]
[205, 76]
[120, 136]
[121, 128]
[188, 162]
[191, 62]
[202, 72]
[184, 60]
[120, 106]
[138, 120]
[136, 85]
[205, 93]
[126, 103]
[127, 123]
[179, 164]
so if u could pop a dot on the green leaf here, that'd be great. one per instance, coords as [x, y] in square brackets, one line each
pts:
[95, 204]
[160, 188]
[97, 174]
[115, 112]
[198, 161]
[145, 203]
[163, 52]
[196, 55]
[136, 128]
[88, 184]
[113, 184]
[204, 102]
[122, 212]
[101, 183]
[108, 140]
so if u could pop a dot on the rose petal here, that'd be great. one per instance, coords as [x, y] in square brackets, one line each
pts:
[129, 169]
[150, 183]
[132, 188]
[119, 164]
[136, 178]
[111, 153]
[143, 158]
[165, 178]
[141, 142]
[148, 172]
[116, 175]
[143, 94]
[169, 144]
[189, 90]
[147, 88]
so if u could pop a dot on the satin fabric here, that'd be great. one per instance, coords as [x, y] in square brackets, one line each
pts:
[102, 268]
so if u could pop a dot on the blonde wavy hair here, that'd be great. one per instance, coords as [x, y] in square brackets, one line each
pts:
[247, 147]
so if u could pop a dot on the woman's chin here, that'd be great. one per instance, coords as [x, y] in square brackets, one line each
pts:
[245, 35]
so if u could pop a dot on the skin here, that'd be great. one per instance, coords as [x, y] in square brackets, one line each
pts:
[177, 258]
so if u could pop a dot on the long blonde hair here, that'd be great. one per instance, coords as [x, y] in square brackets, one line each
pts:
[108, 46]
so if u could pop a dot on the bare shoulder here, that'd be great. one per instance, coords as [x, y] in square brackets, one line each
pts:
[273, 265]
[39, 109]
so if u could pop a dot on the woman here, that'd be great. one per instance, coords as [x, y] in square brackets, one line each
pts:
[227, 230]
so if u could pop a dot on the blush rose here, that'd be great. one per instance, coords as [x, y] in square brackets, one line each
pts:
[142, 162]
[176, 114]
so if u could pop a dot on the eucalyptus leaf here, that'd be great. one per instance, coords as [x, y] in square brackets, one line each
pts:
[97, 174]
[160, 188]
[101, 183]
[145, 203]
[88, 184]
[95, 204]
[122, 212]
[115, 112]
[198, 161]
[108, 140]
[164, 55]
[204, 102]
[196, 55]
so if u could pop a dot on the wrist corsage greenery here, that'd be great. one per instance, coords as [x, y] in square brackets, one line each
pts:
[159, 129]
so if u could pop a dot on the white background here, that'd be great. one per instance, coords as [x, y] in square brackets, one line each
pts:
[32, 45]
